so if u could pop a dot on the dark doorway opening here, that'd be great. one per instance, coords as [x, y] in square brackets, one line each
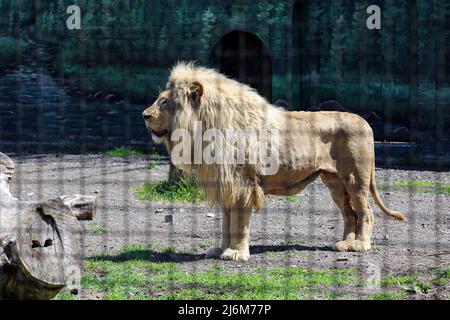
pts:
[243, 57]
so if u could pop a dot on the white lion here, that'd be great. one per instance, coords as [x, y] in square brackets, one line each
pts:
[336, 146]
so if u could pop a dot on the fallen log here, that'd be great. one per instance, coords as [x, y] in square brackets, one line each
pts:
[40, 242]
[82, 207]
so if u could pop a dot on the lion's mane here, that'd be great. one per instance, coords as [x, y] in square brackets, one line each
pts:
[224, 104]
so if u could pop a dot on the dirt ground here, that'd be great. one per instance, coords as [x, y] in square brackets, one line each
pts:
[286, 233]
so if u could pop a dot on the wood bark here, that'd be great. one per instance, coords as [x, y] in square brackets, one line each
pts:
[40, 242]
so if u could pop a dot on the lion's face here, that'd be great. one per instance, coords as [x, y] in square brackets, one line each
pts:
[158, 116]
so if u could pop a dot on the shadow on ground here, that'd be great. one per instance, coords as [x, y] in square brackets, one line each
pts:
[161, 257]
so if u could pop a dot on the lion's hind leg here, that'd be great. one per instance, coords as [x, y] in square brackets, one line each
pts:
[359, 200]
[342, 200]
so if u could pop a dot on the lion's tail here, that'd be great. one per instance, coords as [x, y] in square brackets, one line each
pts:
[373, 190]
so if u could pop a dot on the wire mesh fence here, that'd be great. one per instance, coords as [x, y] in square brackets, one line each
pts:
[71, 104]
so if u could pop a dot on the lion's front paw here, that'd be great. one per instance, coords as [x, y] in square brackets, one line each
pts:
[213, 252]
[235, 255]
[343, 245]
[360, 246]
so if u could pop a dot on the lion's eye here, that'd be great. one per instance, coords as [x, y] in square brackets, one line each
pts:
[163, 104]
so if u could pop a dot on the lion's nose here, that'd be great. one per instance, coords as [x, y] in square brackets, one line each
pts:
[146, 116]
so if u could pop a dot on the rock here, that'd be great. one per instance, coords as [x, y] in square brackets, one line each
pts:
[168, 218]
[74, 291]
[210, 215]
[313, 109]
[99, 95]
[370, 116]
[401, 134]
[112, 98]
[332, 105]
[159, 210]
[283, 104]
[156, 294]
[103, 110]
[341, 259]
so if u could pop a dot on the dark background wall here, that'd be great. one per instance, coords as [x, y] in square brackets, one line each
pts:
[304, 52]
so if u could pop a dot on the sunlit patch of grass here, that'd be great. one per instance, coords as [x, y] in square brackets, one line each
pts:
[388, 295]
[292, 242]
[154, 163]
[96, 228]
[184, 190]
[409, 284]
[291, 199]
[442, 276]
[136, 274]
[419, 187]
[206, 243]
[64, 295]
[123, 152]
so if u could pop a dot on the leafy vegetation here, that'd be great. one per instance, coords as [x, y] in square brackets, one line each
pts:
[416, 283]
[10, 50]
[142, 86]
[408, 284]
[123, 152]
[154, 163]
[184, 190]
[96, 228]
[292, 198]
[366, 70]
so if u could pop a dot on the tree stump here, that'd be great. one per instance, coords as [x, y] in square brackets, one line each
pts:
[83, 207]
[174, 173]
[40, 242]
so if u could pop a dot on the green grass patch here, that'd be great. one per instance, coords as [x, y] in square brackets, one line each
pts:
[96, 228]
[184, 190]
[154, 163]
[441, 277]
[409, 284]
[64, 295]
[291, 242]
[124, 152]
[145, 272]
[420, 187]
[414, 283]
[389, 295]
[290, 199]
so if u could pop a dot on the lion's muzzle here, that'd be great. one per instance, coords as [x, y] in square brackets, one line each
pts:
[146, 116]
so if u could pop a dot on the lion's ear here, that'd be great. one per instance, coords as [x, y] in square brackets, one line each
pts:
[196, 91]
